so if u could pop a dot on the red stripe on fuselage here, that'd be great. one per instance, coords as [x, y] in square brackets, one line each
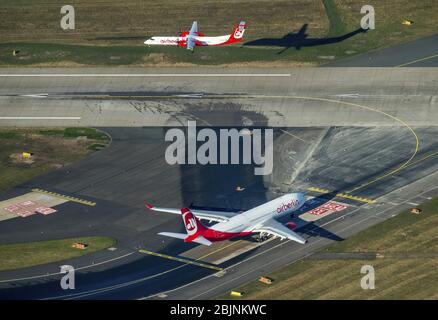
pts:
[207, 233]
[214, 235]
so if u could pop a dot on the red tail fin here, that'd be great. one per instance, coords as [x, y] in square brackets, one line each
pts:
[238, 32]
[194, 227]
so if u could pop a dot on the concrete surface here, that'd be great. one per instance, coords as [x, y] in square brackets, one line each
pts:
[370, 131]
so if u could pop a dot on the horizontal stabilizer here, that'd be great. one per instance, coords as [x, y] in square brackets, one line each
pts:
[182, 236]
[202, 240]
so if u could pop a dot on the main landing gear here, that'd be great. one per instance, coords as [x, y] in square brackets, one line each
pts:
[262, 237]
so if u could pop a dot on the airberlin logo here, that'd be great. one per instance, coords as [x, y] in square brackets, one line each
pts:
[287, 206]
[238, 34]
[190, 223]
[222, 146]
[239, 31]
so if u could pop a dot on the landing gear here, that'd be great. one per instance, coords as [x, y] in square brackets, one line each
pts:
[262, 237]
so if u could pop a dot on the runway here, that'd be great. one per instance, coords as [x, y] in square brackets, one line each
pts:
[295, 100]
[362, 133]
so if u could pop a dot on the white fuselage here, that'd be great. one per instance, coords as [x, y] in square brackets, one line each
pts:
[174, 41]
[253, 218]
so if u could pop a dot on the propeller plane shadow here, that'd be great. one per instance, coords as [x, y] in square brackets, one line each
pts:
[300, 39]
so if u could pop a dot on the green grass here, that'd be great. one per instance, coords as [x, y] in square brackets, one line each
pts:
[8, 134]
[53, 148]
[51, 132]
[114, 55]
[409, 244]
[111, 33]
[337, 26]
[96, 146]
[74, 133]
[22, 255]
[131, 21]
[36, 53]
[85, 132]
[389, 16]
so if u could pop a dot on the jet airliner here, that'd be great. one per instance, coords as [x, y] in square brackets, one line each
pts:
[261, 219]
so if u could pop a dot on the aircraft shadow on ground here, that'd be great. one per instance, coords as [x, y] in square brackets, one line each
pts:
[300, 39]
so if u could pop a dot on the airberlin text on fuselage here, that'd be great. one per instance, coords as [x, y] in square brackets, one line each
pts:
[169, 41]
[287, 206]
[207, 153]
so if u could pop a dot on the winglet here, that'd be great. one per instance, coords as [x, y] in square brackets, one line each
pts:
[148, 205]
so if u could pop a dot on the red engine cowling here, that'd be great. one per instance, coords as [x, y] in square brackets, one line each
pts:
[291, 225]
[183, 43]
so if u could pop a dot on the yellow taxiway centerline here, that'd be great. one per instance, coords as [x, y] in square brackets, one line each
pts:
[418, 60]
[68, 198]
[342, 195]
[186, 261]
[356, 105]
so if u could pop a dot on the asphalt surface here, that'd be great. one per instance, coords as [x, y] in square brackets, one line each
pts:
[417, 53]
[385, 152]
[293, 97]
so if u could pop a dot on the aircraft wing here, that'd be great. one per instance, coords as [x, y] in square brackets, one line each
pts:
[193, 29]
[275, 228]
[219, 216]
[190, 43]
[191, 36]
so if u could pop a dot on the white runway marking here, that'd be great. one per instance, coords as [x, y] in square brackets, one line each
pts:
[58, 273]
[150, 75]
[357, 95]
[37, 95]
[40, 118]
